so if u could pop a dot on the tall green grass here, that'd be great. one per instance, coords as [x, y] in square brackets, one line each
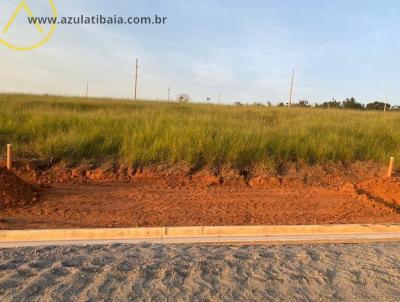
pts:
[145, 132]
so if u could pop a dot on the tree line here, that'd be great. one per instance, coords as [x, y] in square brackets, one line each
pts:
[349, 103]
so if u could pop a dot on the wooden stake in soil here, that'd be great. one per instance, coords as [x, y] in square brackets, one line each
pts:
[9, 156]
[390, 170]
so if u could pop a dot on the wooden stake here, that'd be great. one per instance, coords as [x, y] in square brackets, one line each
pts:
[9, 156]
[390, 170]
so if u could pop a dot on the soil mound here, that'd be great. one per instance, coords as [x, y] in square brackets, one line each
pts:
[387, 190]
[15, 192]
[326, 175]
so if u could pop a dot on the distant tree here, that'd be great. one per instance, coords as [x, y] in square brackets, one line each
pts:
[281, 104]
[183, 98]
[304, 103]
[238, 104]
[352, 104]
[258, 104]
[330, 104]
[269, 104]
[379, 106]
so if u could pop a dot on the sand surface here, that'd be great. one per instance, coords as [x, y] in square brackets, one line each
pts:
[369, 272]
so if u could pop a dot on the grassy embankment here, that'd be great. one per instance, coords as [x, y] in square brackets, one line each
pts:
[78, 129]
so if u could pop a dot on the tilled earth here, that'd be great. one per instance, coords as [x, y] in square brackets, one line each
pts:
[175, 199]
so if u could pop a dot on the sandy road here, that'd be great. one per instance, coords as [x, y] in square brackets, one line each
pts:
[153, 272]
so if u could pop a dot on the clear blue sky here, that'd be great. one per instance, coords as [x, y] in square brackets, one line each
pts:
[244, 50]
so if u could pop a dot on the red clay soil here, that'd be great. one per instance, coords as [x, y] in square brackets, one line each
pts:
[14, 192]
[385, 190]
[178, 198]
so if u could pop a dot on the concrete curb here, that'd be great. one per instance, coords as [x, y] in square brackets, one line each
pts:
[226, 234]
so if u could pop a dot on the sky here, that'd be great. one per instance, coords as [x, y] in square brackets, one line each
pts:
[243, 50]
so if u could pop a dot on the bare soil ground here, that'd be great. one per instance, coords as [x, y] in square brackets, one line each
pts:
[201, 273]
[160, 196]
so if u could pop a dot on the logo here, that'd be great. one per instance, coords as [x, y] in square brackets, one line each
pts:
[42, 35]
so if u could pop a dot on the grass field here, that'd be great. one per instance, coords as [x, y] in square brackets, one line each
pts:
[145, 132]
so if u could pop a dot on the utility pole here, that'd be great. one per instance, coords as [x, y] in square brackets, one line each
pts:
[291, 89]
[386, 103]
[136, 77]
[219, 98]
[169, 91]
[87, 88]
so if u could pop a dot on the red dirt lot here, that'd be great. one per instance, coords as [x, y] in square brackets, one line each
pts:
[80, 197]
